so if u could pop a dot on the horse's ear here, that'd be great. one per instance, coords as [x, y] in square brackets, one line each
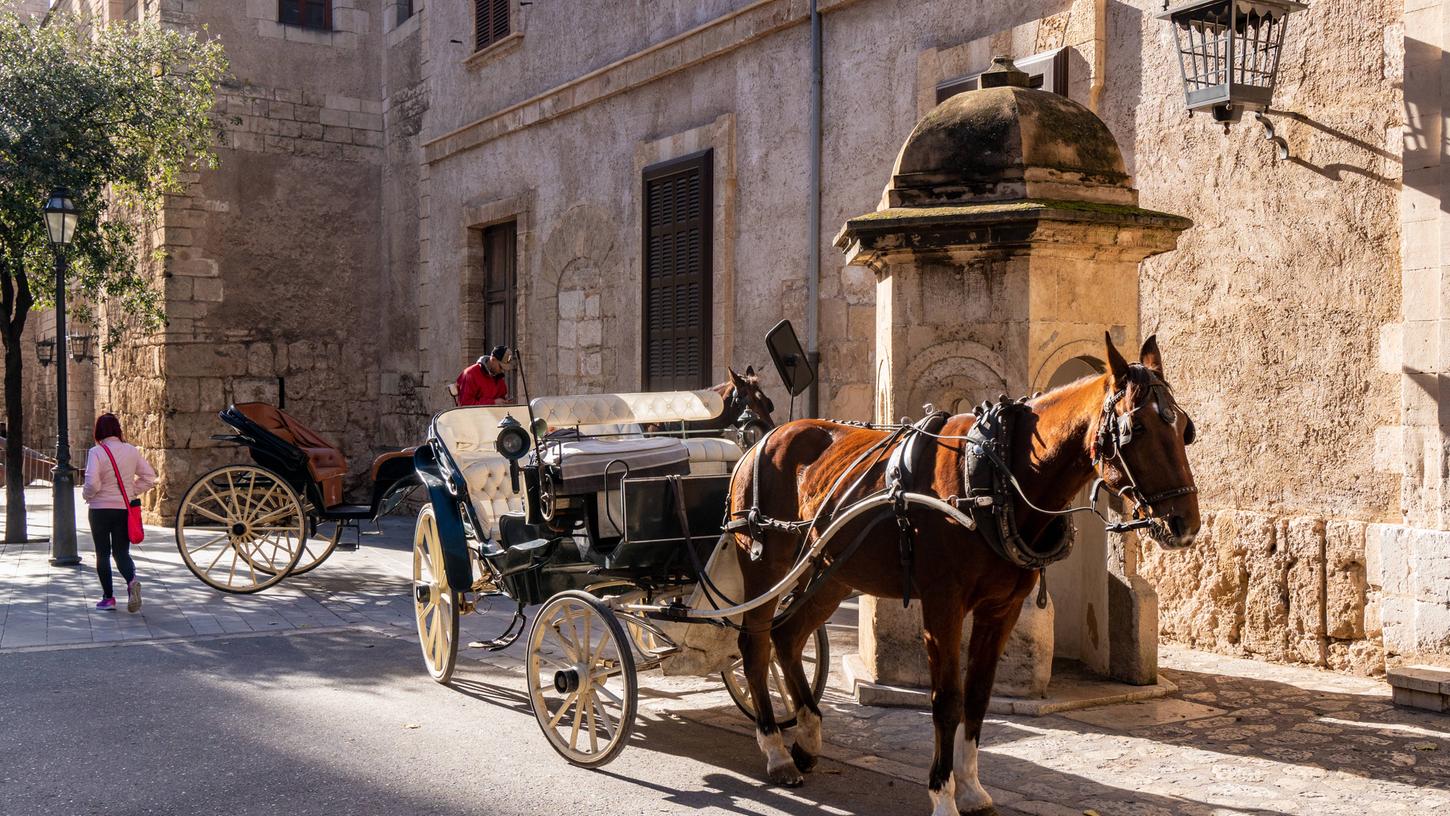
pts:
[735, 378]
[1117, 366]
[750, 371]
[1150, 356]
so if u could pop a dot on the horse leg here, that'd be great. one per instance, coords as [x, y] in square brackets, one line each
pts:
[990, 630]
[942, 629]
[755, 651]
[790, 639]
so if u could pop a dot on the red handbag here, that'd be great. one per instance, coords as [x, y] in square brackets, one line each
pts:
[134, 530]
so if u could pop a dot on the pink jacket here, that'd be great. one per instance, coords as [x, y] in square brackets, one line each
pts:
[100, 490]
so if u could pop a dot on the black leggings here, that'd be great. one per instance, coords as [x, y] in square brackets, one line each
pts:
[110, 529]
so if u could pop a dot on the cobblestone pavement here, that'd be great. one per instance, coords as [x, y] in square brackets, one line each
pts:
[1239, 737]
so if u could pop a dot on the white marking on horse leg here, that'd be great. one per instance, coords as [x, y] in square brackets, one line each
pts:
[970, 793]
[778, 763]
[943, 802]
[808, 731]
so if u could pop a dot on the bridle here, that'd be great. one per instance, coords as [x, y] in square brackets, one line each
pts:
[1116, 431]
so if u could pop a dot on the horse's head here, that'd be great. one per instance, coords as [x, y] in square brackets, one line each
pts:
[1139, 446]
[745, 393]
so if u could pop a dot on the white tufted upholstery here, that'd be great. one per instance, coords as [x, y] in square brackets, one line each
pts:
[711, 454]
[469, 434]
[603, 409]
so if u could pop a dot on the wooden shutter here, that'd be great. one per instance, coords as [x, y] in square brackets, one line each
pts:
[490, 22]
[499, 279]
[677, 275]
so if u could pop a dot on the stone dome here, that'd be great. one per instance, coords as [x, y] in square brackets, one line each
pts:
[1008, 142]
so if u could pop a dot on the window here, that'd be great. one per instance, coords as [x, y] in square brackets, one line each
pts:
[499, 265]
[677, 275]
[305, 13]
[490, 22]
[1046, 71]
[405, 10]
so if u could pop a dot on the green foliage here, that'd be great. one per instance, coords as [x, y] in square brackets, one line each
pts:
[120, 114]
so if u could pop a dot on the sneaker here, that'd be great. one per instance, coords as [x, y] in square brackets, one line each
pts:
[133, 596]
[107, 603]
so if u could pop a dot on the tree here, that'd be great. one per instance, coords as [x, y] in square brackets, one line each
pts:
[119, 114]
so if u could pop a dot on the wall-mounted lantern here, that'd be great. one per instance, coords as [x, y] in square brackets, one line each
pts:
[45, 351]
[1228, 51]
[80, 347]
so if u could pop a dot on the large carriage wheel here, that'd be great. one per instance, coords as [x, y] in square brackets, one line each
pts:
[581, 679]
[435, 604]
[321, 543]
[240, 528]
[815, 659]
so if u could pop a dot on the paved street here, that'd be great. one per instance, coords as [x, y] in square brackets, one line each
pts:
[311, 698]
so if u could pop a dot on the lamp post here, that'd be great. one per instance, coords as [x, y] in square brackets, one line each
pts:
[60, 223]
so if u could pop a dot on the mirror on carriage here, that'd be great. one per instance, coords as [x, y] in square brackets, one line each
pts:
[790, 359]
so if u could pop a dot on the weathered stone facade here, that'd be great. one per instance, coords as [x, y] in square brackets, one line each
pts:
[337, 248]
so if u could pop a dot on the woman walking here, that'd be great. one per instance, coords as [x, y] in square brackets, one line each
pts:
[115, 474]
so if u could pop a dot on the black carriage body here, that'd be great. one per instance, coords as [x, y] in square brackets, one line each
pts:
[570, 542]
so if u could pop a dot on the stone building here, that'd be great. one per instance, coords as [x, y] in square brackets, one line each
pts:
[623, 188]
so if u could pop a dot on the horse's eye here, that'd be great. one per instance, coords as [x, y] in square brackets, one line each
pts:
[1137, 428]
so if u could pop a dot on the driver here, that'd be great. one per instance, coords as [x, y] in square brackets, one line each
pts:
[483, 382]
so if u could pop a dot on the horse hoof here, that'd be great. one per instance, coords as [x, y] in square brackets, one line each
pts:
[787, 776]
[806, 762]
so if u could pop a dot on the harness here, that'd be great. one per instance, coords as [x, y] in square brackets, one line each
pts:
[989, 507]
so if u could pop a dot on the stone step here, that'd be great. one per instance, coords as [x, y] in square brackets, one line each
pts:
[1421, 686]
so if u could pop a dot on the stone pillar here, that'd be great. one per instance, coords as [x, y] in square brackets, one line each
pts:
[1005, 245]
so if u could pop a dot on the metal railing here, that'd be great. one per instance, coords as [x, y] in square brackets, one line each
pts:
[35, 466]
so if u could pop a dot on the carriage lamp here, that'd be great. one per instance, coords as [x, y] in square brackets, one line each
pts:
[513, 441]
[45, 351]
[1228, 53]
[80, 347]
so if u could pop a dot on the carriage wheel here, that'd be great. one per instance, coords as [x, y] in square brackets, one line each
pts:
[326, 533]
[240, 528]
[581, 678]
[815, 658]
[435, 604]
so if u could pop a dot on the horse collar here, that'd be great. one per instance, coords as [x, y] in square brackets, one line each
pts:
[987, 476]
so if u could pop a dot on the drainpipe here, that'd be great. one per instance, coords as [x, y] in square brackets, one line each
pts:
[813, 248]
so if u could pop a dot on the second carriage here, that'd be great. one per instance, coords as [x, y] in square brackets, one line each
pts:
[604, 511]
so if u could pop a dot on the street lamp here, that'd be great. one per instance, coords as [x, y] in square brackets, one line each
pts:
[80, 347]
[45, 351]
[1228, 51]
[60, 224]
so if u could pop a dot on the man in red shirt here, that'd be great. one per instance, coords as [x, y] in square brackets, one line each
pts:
[483, 382]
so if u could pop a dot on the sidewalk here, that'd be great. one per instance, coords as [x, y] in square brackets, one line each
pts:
[1238, 737]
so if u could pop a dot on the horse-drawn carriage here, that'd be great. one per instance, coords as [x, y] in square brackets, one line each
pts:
[604, 509]
[244, 527]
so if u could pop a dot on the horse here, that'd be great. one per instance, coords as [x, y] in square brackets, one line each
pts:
[1062, 440]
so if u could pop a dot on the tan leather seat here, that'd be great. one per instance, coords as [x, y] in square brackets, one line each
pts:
[324, 461]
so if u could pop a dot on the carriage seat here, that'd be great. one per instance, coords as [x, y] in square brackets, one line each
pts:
[606, 413]
[469, 433]
[325, 462]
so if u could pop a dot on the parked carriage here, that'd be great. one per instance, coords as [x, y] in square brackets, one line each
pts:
[572, 505]
[244, 527]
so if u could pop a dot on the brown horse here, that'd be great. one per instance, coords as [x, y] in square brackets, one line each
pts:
[1056, 450]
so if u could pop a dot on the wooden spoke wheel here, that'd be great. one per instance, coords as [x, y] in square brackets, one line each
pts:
[435, 604]
[326, 533]
[581, 678]
[240, 528]
[815, 659]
